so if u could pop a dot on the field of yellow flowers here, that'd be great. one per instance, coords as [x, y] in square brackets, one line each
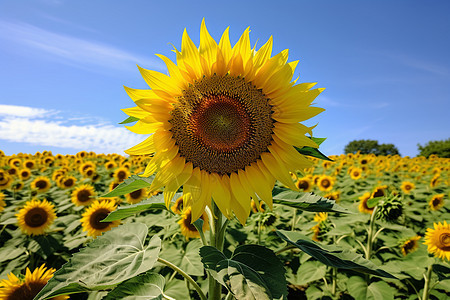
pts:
[51, 206]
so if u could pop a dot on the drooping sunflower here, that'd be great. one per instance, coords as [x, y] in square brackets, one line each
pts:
[362, 207]
[187, 228]
[41, 184]
[437, 202]
[304, 184]
[91, 218]
[379, 191]
[325, 183]
[224, 123]
[136, 196]
[438, 240]
[28, 287]
[36, 217]
[407, 187]
[410, 245]
[82, 195]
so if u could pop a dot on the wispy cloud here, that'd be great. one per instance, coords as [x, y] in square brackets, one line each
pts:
[72, 50]
[24, 124]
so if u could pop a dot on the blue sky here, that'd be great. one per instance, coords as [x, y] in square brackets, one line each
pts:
[385, 65]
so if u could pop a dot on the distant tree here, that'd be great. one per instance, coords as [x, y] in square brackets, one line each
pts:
[370, 146]
[439, 148]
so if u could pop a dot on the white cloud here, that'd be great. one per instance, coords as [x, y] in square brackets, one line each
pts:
[71, 50]
[23, 124]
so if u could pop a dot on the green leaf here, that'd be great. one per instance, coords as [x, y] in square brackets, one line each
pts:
[176, 289]
[317, 140]
[310, 271]
[252, 272]
[357, 287]
[314, 152]
[131, 184]
[145, 286]
[186, 259]
[308, 202]
[332, 255]
[372, 202]
[129, 120]
[156, 202]
[116, 256]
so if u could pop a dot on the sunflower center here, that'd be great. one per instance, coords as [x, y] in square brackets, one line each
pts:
[41, 184]
[303, 185]
[444, 241]
[325, 183]
[222, 124]
[26, 291]
[187, 222]
[36, 217]
[83, 195]
[97, 216]
[378, 193]
[68, 182]
[136, 194]
[436, 202]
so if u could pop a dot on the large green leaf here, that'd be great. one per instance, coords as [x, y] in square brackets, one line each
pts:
[308, 202]
[310, 271]
[187, 259]
[358, 288]
[156, 202]
[145, 286]
[252, 272]
[129, 120]
[129, 185]
[314, 152]
[332, 255]
[116, 256]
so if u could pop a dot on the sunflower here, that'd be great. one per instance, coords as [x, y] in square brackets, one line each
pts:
[356, 173]
[113, 185]
[110, 165]
[28, 287]
[333, 196]
[81, 154]
[91, 218]
[224, 122]
[379, 191]
[121, 173]
[438, 240]
[407, 187]
[187, 228]
[2, 202]
[178, 206]
[41, 184]
[136, 196]
[435, 180]
[320, 217]
[36, 217]
[304, 184]
[29, 164]
[87, 165]
[82, 195]
[437, 202]
[13, 171]
[410, 245]
[15, 162]
[17, 186]
[24, 174]
[48, 161]
[325, 183]
[363, 204]
[68, 182]
[5, 180]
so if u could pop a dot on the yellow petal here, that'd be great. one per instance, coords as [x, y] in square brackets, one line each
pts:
[144, 128]
[242, 47]
[239, 192]
[170, 171]
[174, 72]
[297, 115]
[221, 195]
[293, 134]
[225, 45]
[263, 54]
[173, 186]
[270, 67]
[136, 94]
[190, 54]
[136, 112]
[259, 183]
[145, 147]
[160, 81]
[208, 47]
[276, 166]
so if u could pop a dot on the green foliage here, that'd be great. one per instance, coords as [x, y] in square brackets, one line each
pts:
[370, 147]
[112, 258]
[359, 289]
[252, 272]
[146, 286]
[131, 184]
[313, 152]
[332, 255]
[439, 148]
[129, 120]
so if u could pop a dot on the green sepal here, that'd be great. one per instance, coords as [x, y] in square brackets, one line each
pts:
[333, 256]
[129, 120]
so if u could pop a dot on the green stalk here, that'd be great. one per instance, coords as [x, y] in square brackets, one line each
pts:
[371, 233]
[217, 239]
[426, 288]
[185, 275]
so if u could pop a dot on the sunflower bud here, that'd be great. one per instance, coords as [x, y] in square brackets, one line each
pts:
[390, 209]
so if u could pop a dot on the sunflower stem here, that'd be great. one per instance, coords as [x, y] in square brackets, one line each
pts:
[185, 275]
[426, 288]
[217, 239]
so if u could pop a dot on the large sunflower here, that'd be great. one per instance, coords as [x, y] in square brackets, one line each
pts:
[82, 195]
[438, 240]
[224, 123]
[36, 217]
[27, 288]
[99, 210]
[187, 228]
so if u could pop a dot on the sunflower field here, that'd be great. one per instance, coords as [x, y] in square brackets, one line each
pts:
[52, 207]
